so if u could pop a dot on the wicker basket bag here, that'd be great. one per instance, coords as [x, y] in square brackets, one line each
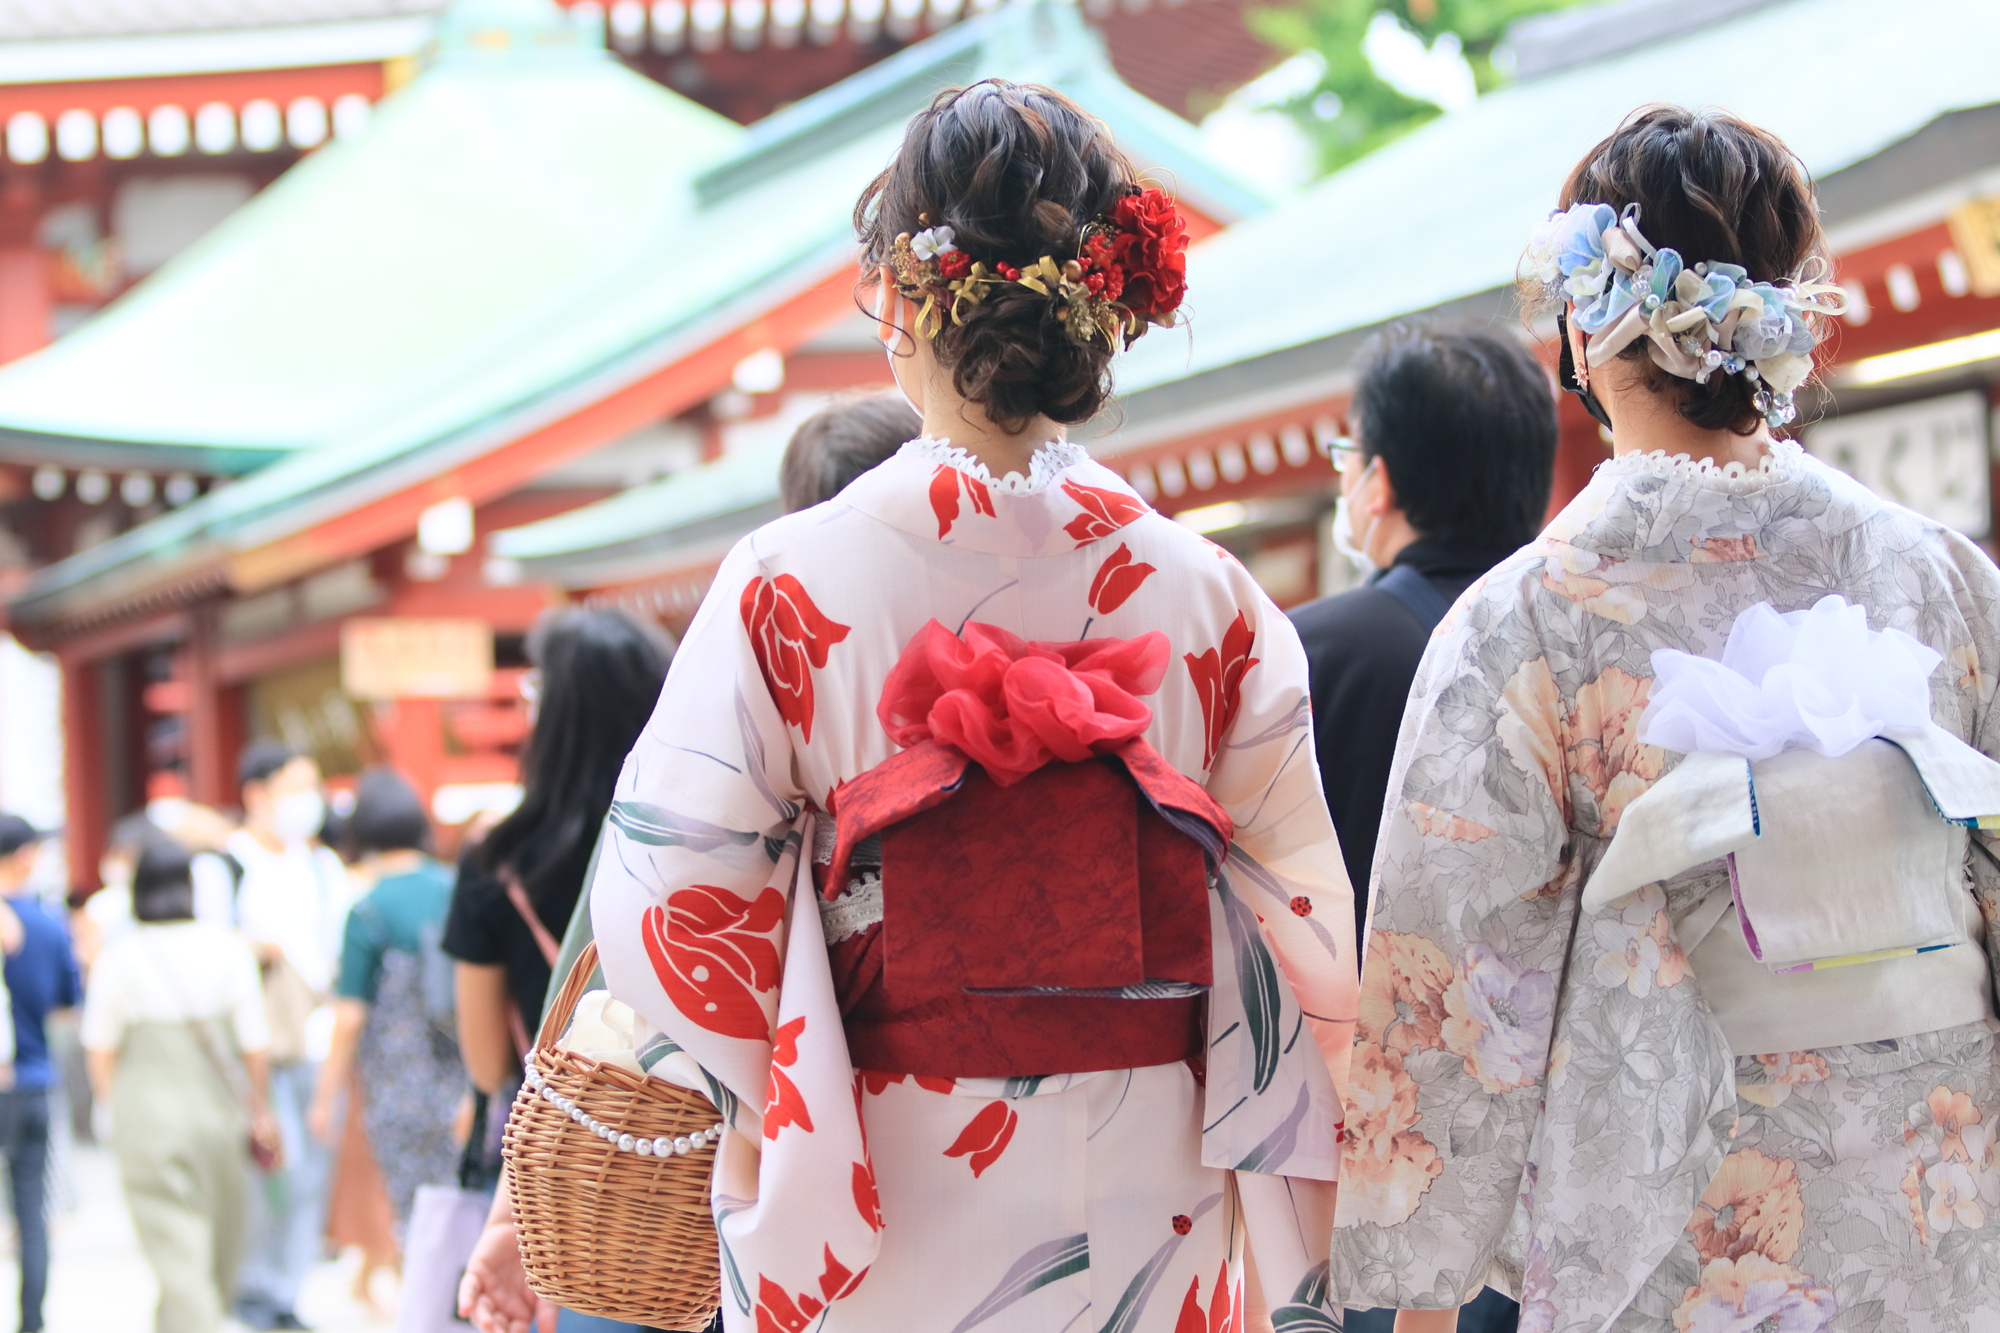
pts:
[609, 1172]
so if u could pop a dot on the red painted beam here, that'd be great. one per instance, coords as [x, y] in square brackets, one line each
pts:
[1316, 474]
[664, 393]
[190, 91]
[1938, 314]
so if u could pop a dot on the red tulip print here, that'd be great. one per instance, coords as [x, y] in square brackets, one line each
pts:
[1222, 1308]
[867, 1201]
[713, 952]
[1117, 579]
[944, 496]
[783, 1103]
[1218, 683]
[874, 1080]
[780, 1312]
[791, 638]
[986, 1136]
[1104, 511]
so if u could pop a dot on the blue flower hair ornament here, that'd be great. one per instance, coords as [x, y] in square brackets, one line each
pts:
[1701, 320]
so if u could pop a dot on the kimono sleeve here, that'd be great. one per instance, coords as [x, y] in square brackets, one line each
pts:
[1473, 909]
[699, 850]
[1265, 773]
[1970, 672]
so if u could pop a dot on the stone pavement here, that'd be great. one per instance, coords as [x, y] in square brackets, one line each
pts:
[99, 1282]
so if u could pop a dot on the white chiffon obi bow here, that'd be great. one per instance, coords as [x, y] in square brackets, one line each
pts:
[1814, 767]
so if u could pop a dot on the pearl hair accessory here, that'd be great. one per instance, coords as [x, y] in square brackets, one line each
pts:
[659, 1147]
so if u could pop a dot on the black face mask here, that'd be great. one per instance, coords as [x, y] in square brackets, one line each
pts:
[1566, 374]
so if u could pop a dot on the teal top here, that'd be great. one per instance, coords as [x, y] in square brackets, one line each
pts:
[392, 916]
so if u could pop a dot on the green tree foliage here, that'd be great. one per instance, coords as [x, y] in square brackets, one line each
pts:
[1354, 111]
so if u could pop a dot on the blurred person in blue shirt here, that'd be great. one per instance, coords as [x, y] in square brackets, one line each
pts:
[42, 979]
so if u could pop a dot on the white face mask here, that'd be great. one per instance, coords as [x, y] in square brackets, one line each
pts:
[299, 816]
[1349, 543]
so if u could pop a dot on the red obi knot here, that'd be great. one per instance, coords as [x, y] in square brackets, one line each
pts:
[1013, 705]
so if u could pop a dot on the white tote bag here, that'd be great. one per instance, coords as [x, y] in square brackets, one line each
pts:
[444, 1226]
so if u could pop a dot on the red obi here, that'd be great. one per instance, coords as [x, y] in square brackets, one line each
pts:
[1024, 897]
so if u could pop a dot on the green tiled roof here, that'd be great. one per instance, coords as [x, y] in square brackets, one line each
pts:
[1442, 215]
[377, 267]
[670, 228]
[679, 518]
[1445, 212]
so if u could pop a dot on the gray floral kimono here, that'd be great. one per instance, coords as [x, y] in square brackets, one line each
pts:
[1540, 1097]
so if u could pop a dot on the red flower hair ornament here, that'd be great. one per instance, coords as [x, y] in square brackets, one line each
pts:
[1129, 273]
[1014, 705]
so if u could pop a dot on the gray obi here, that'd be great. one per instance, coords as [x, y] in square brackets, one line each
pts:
[1847, 909]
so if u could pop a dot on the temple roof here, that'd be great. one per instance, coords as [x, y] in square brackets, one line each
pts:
[516, 236]
[1443, 214]
[39, 20]
[362, 277]
[690, 515]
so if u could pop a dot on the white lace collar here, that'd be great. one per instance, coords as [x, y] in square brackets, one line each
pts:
[1781, 464]
[1049, 462]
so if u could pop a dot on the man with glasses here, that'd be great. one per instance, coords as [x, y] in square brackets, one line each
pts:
[1446, 474]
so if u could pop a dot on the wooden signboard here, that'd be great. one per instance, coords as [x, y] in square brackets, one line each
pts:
[1975, 234]
[416, 658]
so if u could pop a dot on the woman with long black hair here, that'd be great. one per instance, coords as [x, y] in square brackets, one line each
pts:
[596, 675]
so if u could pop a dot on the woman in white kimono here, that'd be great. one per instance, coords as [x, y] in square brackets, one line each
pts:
[1555, 1087]
[955, 1026]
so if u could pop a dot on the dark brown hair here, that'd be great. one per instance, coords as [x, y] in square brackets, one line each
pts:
[1015, 170]
[162, 880]
[1717, 190]
[836, 444]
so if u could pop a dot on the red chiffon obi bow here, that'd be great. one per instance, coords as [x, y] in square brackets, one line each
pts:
[1013, 705]
[1038, 858]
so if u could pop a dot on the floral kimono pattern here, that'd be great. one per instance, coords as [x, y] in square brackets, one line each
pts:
[1539, 1097]
[1114, 1201]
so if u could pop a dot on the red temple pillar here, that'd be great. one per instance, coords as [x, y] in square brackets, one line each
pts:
[27, 300]
[214, 714]
[89, 819]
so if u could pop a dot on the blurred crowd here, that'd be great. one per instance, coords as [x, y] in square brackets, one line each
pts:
[286, 1019]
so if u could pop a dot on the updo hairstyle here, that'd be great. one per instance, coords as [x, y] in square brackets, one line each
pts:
[1714, 189]
[1016, 171]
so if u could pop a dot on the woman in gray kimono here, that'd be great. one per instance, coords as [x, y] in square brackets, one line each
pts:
[1602, 1096]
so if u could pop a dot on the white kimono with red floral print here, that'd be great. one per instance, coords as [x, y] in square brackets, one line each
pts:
[1118, 1201]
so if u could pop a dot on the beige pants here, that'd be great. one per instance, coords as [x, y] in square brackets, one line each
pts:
[181, 1140]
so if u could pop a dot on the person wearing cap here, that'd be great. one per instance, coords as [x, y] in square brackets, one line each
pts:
[41, 978]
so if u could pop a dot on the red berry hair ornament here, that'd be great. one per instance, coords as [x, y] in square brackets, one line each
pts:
[1129, 273]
